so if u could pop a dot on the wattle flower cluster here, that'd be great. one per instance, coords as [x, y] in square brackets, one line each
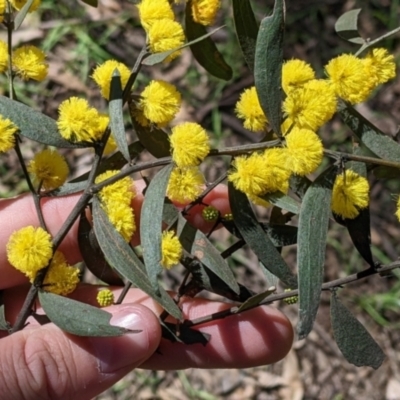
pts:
[308, 104]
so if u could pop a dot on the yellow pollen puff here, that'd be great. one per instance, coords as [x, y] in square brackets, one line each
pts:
[3, 56]
[311, 105]
[204, 12]
[2, 9]
[7, 134]
[159, 103]
[105, 297]
[29, 250]
[305, 151]
[121, 191]
[77, 121]
[49, 169]
[171, 249]
[349, 78]
[61, 278]
[103, 73]
[349, 194]
[154, 10]
[29, 63]
[248, 109]
[259, 174]
[122, 218]
[380, 65]
[397, 213]
[164, 35]
[185, 184]
[295, 73]
[190, 144]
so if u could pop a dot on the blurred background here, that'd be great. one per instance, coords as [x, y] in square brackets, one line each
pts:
[76, 38]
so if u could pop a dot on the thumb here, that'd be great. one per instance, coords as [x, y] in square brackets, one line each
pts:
[46, 363]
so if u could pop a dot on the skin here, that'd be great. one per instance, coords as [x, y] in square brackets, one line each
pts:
[43, 362]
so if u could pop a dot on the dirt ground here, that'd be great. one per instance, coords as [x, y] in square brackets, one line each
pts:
[315, 368]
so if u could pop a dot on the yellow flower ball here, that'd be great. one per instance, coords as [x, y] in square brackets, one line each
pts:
[122, 218]
[305, 151]
[165, 34]
[381, 66]
[121, 191]
[349, 78]
[189, 143]
[3, 56]
[295, 73]
[29, 250]
[49, 169]
[185, 184]
[310, 106]
[2, 9]
[7, 134]
[171, 249]
[349, 194]
[260, 173]
[248, 109]
[204, 12]
[103, 73]
[61, 278]
[29, 63]
[397, 213]
[159, 103]
[77, 121]
[154, 10]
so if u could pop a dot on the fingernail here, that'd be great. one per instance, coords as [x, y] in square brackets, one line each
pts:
[123, 351]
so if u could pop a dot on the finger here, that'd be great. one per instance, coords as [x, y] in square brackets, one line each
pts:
[256, 337]
[20, 212]
[46, 363]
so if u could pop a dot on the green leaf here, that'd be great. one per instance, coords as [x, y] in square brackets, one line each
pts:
[311, 240]
[116, 116]
[246, 28]
[151, 224]
[19, 19]
[160, 57]
[374, 139]
[360, 232]
[205, 52]
[354, 341]
[347, 26]
[268, 65]
[154, 140]
[255, 300]
[92, 3]
[78, 318]
[124, 260]
[299, 185]
[281, 235]
[256, 238]
[283, 201]
[93, 256]
[195, 242]
[35, 125]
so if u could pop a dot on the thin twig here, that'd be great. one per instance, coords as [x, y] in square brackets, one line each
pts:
[383, 270]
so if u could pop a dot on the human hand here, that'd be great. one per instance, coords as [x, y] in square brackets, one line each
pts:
[47, 363]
